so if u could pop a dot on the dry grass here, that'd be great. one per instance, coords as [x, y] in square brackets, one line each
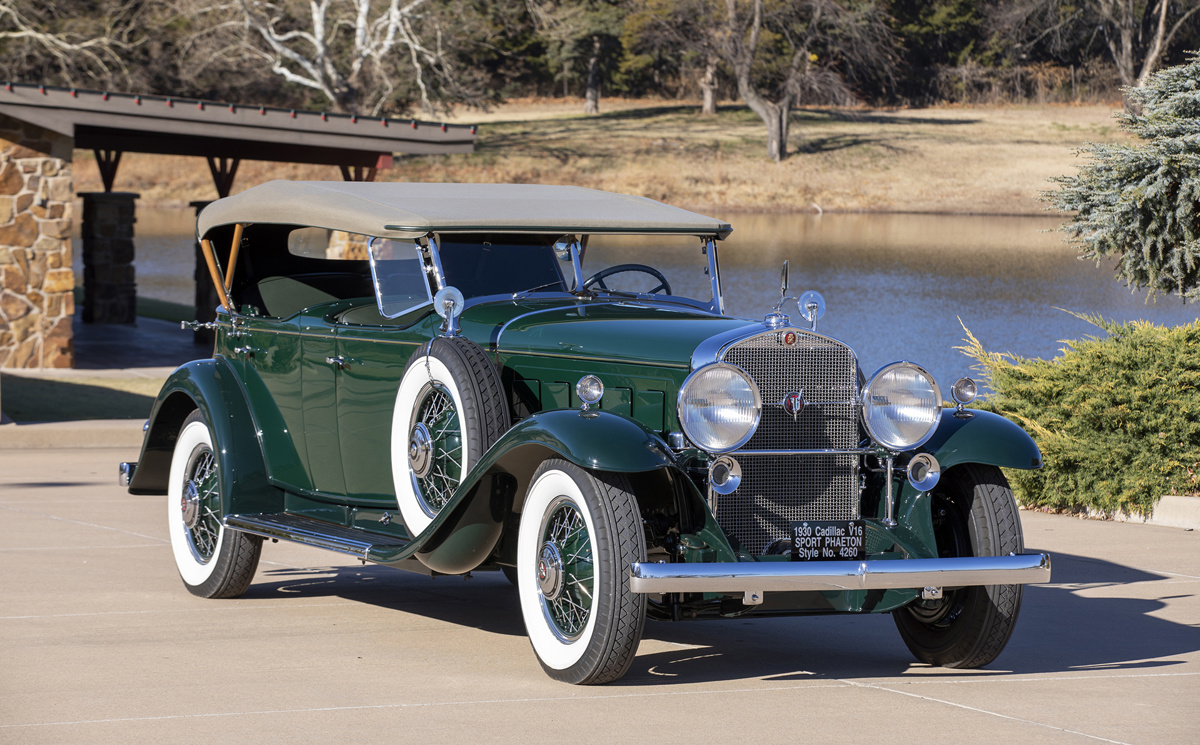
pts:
[953, 159]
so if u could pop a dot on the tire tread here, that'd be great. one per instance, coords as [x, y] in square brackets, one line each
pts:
[976, 640]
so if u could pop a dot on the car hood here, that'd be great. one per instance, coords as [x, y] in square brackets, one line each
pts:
[620, 332]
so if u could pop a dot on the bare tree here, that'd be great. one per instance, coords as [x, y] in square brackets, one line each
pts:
[802, 51]
[1137, 33]
[69, 42]
[361, 56]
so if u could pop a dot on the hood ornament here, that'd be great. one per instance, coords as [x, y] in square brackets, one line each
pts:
[777, 317]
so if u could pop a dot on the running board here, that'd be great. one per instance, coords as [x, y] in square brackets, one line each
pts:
[286, 526]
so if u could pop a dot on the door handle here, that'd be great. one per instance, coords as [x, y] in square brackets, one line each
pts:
[339, 362]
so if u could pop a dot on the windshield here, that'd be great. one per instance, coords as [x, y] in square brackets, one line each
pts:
[499, 265]
[661, 265]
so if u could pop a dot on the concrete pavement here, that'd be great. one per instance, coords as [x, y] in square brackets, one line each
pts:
[100, 643]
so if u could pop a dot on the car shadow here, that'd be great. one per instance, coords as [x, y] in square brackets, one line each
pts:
[1066, 627]
[1069, 626]
[486, 601]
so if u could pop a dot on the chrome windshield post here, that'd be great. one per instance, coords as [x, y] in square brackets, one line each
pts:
[570, 245]
[434, 259]
[709, 247]
[577, 265]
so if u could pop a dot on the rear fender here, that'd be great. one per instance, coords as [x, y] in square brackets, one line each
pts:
[211, 386]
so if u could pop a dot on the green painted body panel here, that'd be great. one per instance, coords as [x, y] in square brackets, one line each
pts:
[550, 383]
[271, 380]
[366, 395]
[985, 438]
[319, 381]
[632, 333]
[598, 440]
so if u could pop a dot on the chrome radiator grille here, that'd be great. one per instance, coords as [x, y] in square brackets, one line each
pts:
[777, 490]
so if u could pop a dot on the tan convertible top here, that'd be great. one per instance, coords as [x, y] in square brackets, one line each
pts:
[405, 210]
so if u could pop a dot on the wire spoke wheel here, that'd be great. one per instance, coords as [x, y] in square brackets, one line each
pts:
[202, 518]
[213, 562]
[436, 447]
[566, 574]
[579, 532]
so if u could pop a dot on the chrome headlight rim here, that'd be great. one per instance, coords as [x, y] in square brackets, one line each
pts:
[704, 370]
[897, 447]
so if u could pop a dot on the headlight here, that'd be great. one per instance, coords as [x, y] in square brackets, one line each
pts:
[901, 406]
[719, 407]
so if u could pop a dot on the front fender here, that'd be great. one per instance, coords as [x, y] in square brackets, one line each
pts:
[464, 534]
[985, 438]
[211, 386]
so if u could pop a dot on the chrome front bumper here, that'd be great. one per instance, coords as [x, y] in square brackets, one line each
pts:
[801, 576]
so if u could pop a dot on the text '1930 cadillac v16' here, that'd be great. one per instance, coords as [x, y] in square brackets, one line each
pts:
[451, 378]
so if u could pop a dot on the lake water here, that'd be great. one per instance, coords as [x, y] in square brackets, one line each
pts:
[895, 285]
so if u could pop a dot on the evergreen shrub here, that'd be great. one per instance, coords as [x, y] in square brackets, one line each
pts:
[1117, 419]
[1139, 202]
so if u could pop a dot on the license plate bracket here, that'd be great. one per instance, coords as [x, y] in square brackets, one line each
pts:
[829, 540]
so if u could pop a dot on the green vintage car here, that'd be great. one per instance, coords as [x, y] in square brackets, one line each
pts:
[542, 380]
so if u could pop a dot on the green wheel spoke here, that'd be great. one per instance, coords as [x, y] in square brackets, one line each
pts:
[570, 607]
[435, 411]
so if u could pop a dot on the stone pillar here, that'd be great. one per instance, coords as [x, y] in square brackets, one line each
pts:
[36, 279]
[109, 290]
[206, 296]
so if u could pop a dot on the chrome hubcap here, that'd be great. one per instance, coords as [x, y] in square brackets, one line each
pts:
[420, 450]
[190, 504]
[550, 571]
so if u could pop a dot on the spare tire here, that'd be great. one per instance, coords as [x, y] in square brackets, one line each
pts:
[450, 408]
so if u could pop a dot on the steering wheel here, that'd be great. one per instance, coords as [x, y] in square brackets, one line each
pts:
[598, 278]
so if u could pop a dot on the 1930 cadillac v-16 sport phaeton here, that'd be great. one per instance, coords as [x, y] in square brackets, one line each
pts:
[451, 378]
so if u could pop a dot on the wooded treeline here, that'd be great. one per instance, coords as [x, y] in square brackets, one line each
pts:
[400, 56]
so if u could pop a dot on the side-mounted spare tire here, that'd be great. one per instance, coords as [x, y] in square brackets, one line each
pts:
[450, 408]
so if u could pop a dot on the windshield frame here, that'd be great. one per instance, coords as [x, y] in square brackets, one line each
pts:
[576, 244]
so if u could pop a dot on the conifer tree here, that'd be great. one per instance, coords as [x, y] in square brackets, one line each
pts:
[1140, 201]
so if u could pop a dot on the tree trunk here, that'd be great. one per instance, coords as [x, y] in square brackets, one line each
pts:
[708, 89]
[777, 130]
[592, 104]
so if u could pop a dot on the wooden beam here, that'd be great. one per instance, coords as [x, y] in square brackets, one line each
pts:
[107, 161]
[223, 171]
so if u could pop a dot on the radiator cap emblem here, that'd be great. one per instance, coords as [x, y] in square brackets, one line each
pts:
[793, 403]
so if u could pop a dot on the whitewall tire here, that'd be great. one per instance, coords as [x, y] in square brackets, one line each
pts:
[213, 562]
[578, 534]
